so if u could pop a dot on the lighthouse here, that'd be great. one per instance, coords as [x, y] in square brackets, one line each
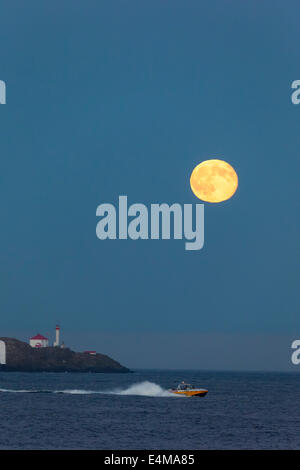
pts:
[57, 331]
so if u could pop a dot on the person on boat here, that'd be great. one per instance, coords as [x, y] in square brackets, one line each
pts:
[182, 386]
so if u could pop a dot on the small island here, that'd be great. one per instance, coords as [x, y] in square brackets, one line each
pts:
[18, 356]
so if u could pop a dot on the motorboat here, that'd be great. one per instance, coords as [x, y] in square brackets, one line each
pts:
[188, 390]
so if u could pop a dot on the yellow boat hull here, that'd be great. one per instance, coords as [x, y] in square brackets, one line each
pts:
[190, 393]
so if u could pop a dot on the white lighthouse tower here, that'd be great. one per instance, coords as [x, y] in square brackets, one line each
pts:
[57, 331]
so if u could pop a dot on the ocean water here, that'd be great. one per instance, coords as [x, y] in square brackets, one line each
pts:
[135, 411]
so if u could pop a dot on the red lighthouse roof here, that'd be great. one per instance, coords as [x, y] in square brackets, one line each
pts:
[39, 337]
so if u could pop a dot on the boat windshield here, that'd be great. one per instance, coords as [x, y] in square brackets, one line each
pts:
[184, 386]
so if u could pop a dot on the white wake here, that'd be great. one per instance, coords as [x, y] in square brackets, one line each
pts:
[144, 389]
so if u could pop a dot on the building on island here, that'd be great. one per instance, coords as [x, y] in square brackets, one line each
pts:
[39, 341]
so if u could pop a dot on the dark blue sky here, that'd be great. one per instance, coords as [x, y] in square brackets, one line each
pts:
[126, 97]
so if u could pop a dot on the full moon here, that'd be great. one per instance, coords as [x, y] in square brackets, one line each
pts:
[214, 181]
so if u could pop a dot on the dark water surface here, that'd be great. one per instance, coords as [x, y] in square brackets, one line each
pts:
[135, 411]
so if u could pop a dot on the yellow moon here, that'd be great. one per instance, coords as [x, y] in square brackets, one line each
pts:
[214, 181]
